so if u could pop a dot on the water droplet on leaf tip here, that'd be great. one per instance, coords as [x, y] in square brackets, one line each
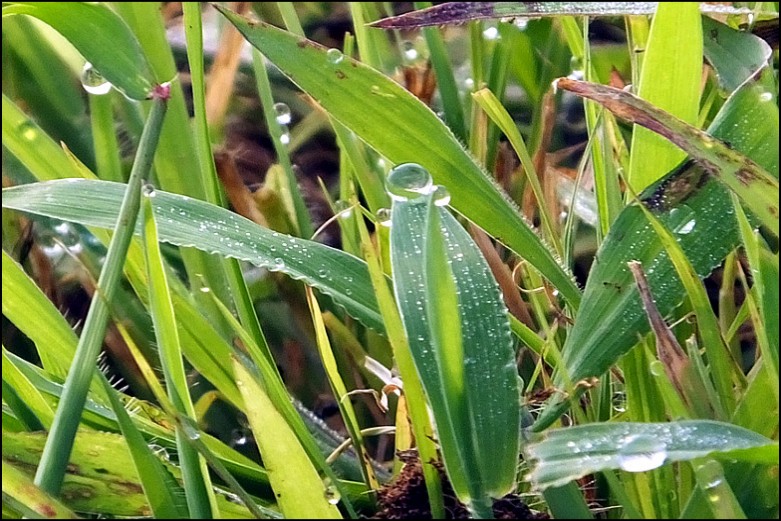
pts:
[93, 82]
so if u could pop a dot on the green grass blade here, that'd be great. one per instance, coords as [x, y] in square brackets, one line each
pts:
[567, 454]
[55, 455]
[38, 411]
[299, 490]
[757, 188]
[736, 55]
[101, 37]
[478, 430]
[670, 79]
[402, 129]
[107, 160]
[189, 222]
[197, 484]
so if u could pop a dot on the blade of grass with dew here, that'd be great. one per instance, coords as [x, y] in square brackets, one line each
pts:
[736, 55]
[109, 45]
[197, 484]
[55, 455]
[413, 388]
[670, 79]
[723, 369]
[564, 455]
[478, 430]
[460, 12]
[28, 500]
[685, 195]
[189, 222]
[165, 496]
[402, 129]
[299, 491]
[340, 391]
[755, 186]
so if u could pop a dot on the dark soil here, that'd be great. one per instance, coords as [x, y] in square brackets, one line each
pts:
[406, 497]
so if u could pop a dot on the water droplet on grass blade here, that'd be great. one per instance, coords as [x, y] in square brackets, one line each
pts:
[408, 181]
[93, 82]
[384, 217]
[441, 196]
[409, 50]
[334, 56]
[343, 209]
[282, 113]
[331, 494]
[148, 190]
[640, 453]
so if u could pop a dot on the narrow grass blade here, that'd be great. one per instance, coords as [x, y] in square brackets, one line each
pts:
[299, 490]
[23, 496]
[101, 37]
[197, 484]
[670, 80]
[757, 188]
[31, 402]
[403, 129]
[567, 454]
[55, 455]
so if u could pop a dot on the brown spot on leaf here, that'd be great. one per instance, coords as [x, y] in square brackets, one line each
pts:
[341, 75]
[746, 177]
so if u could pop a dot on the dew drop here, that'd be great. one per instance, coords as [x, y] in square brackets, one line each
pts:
[148, 190]
[282, 113]
[640, 453]
[409, 180]
[27, 130]
[279, 263]
[441, 196]
[657, 368]
[190, 430]
[384, 217]
[334, 56]
[205, 289]
[322, 274]
[766, 96]
[469, 83]
[576, 66]
[409, 50]
[491, 33]
[619, 401]
[93, 82]
[343, 209]
[522, 23]
[686, 228]
[330, 493]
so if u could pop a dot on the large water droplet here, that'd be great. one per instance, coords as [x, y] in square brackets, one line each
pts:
[93, 82]
[409, 180]
[27, 130]
[686, 227]
[640, 453]
[619, 401]
[384, 217]
[284, 138]
[343, 209]
[409, 50]
[282, 113]
[334, 56]
[331, 494]
[148, 190]
[766, 96]
[441, 196]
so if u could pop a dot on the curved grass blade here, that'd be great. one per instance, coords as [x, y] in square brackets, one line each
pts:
[699, 212]
[403, 129]
[189, 222]
[757, 189]
[470, 378]
[567, 454]
[100, 36]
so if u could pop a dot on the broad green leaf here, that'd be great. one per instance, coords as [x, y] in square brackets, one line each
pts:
[697, 210]
[22, 495]
[670, 79]
[756, 187]
[189, 222]
[471, 381]
[736, 55]
[567, 454]
[299, 490]
[403, 129]
[460, 12]
[100, 36]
